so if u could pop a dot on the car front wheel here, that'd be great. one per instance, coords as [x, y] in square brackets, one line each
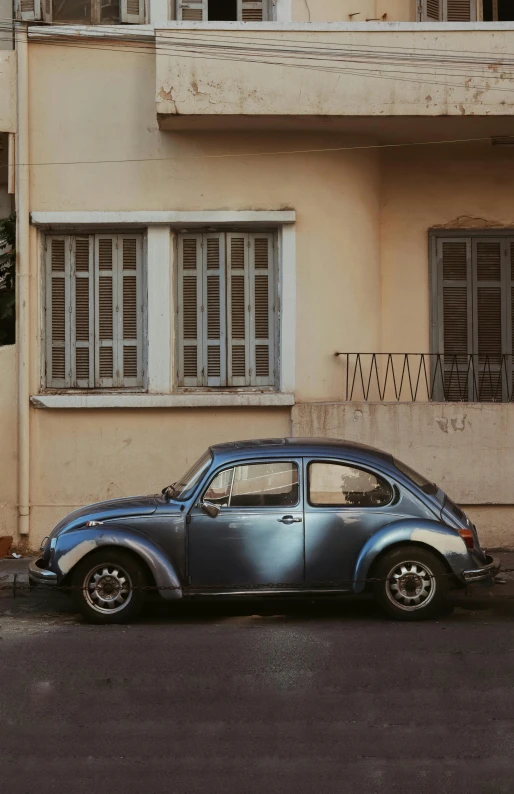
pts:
[411, 584]
[107, 586]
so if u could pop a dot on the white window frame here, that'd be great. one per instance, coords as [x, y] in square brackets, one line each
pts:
[132, 12]
[159, 269]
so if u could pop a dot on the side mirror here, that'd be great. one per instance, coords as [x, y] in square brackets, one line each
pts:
[210, 509]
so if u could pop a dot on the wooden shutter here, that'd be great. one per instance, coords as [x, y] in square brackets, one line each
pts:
[252, 10]
[105, 310]
[192, 10]
[455, 316]
[28, 10]
[58, 312]
[262, 310]
[82, 312]
[460, 10]
[488, 318]
[130, 314]
[430, 10]
[47, 10]
[213, 309]
[238, 310]
[189, 305]
[132, 12]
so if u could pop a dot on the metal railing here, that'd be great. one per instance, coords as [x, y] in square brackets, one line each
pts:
[424, 377]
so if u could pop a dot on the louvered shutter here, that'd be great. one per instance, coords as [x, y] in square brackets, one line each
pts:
[28, 10]
[252, 10]
[47, 10]
[488, 321]
[262, 310]
[129, 331]
[132, 12]
[431, 10]
[460, 10]
[58, 312]
[192, 10]
[455, 317]
[213, 309]
[106, 289]
[238, 310]
[189, 304]
[82, 312]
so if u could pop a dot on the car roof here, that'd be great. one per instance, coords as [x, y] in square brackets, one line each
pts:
[330, 447]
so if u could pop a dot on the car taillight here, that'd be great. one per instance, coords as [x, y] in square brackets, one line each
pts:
[467, 536]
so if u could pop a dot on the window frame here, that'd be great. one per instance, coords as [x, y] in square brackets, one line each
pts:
[352, 465]
[275, 324]
[45, 278]
[256, 462]
[268, 7]
[476, 13]
[43, 10]
[436, 340]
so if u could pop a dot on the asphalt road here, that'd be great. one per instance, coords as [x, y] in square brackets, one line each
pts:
[252, 697]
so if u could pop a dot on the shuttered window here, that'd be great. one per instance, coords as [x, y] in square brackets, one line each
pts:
[226, 309]
[94, 12]
[447, 10]
[94, 311]
[473, 315]
[222, 10]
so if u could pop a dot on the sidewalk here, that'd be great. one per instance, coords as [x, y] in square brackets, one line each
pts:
[14, 579]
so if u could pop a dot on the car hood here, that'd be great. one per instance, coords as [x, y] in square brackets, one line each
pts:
[115, 508]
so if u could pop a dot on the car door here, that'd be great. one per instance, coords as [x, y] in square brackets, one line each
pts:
[258, 537]
[345, 503]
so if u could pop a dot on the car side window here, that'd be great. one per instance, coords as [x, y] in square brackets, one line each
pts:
[338, 484]
[267, 484]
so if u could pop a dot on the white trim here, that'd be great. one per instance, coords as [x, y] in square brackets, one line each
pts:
[159, 12]
[177, 219]
[206, 400]
[126, 32]
[158, 309]
[287, 336]
[283, 11]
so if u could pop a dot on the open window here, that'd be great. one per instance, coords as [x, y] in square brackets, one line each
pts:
[82, 12]
[223, 10]
[498, 10]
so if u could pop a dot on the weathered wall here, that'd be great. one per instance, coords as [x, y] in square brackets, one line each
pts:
[297, 85]
[7, 91]
[466, 449]
[350, 11]
[8, 424]
[6, 39]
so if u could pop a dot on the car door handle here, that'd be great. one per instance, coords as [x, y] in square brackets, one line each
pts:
[289, 520]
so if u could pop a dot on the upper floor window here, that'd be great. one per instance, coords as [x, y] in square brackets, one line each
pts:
[94, 311]
[448, 10]
[82, 12]
[473, 315]
[226, 301]
[223, 10]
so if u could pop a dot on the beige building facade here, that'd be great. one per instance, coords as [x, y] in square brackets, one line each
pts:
[214, 200]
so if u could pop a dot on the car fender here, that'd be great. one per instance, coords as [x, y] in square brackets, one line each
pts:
[73, 545]
[431, 534]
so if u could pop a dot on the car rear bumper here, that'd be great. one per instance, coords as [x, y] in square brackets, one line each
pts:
[39, 575]
[485, 574]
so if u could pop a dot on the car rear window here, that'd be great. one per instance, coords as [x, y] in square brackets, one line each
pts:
[421, 481]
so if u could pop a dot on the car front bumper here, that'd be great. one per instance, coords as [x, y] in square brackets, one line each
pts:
[39, 575]
[483, 575]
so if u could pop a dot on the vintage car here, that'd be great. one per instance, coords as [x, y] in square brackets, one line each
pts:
[266, 517]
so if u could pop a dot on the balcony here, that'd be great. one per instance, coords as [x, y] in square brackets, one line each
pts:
[274, 75]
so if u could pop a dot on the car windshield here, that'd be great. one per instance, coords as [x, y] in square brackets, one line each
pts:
[184, 487]
[426, 486]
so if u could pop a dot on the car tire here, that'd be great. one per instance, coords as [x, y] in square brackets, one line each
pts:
[412, 584]
[108, 585]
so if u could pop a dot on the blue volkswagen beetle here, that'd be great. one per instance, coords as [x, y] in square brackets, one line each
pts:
[267, 517]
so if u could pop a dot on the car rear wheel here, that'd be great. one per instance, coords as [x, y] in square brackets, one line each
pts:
[108, 586]
[412, 584]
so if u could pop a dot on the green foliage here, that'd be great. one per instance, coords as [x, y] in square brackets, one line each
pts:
[8, 279]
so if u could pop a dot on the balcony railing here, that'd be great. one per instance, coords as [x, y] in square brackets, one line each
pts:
[423, 377]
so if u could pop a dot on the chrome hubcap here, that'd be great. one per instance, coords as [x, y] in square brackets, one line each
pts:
[410, 586]
[108, 588]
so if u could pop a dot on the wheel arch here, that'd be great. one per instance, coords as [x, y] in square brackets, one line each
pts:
[149, 576]
[398, 544]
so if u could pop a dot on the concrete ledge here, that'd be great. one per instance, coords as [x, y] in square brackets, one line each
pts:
[206, 400]
[172, 218]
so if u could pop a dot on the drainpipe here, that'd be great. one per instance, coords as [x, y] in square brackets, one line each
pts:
[22, 278]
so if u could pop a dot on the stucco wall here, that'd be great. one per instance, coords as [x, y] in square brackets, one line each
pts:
[7, 91]
[466, 449]
[8, 423]
[349, 10]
